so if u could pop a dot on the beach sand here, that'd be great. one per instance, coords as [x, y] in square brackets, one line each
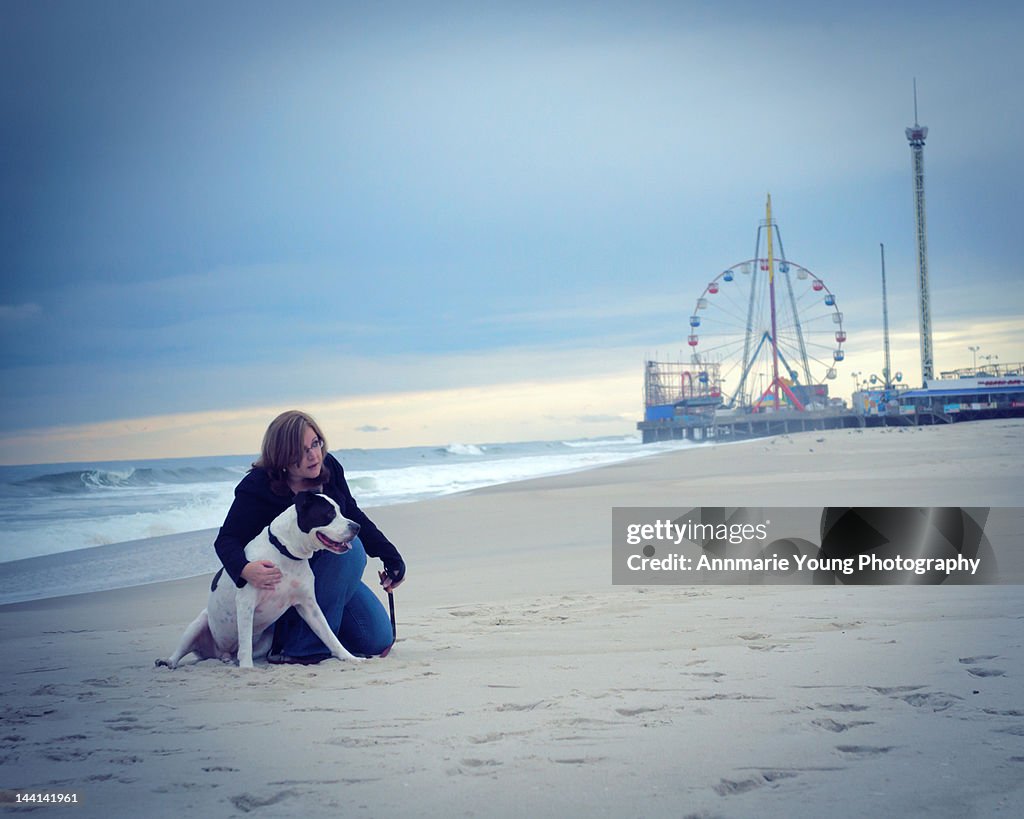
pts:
[525, 684]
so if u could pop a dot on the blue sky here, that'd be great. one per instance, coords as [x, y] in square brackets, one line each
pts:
[466, 221]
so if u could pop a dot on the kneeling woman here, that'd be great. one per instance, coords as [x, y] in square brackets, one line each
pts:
[294, 457]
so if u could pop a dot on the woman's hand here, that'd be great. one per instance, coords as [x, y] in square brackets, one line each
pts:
[262, 574]
[394, 572]
[389, 583]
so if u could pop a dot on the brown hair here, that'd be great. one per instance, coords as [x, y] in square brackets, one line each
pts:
[282, 447]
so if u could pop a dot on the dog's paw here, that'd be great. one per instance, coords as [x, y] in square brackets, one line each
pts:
[160, 663]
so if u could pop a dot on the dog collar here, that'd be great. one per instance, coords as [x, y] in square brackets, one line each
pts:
[280, 546]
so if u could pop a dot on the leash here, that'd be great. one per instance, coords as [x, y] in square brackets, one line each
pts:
[390, 605]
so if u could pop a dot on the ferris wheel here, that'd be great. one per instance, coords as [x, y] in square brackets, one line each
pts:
[771, 327]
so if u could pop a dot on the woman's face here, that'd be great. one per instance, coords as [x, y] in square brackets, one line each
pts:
[308, 468]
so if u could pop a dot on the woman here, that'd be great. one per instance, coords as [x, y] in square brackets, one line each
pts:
[294, 457]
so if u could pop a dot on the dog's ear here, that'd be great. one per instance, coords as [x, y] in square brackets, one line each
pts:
[302, 502]
[313, 510]
[303, 498]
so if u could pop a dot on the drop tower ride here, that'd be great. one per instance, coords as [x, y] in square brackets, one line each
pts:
[916, 136]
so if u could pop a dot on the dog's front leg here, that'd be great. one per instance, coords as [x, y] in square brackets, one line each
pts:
[245, 605]
[314, 617]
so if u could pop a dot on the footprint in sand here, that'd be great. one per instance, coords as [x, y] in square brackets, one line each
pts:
[475, 767]
[633, 712]
[581, 760]
[896, 689]
[104, 682]
[528, 706]
[839, 727]
[68, 754]
[978, 671]
[729, 787]
[714, 676]
[494, 736]
[246, 802]
[937, 701]
[480, 763]
[126, 722]
[21, 716]
[864, 750]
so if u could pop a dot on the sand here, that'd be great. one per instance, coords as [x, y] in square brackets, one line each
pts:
[525, 684]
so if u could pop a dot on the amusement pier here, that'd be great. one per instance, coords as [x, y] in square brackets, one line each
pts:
[766, 338]
[696, 412]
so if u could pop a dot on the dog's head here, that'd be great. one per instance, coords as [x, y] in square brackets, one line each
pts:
[320, 518]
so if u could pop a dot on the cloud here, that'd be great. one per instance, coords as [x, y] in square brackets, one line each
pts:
[479, 414]
[362, 203]
[604, 305]
[19, 312]
[600, 419]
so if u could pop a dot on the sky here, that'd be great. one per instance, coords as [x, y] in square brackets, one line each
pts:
[469, 222]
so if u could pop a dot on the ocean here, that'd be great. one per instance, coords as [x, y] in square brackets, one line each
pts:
[73, 528]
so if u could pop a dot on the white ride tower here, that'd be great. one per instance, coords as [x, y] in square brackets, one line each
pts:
[916, 136]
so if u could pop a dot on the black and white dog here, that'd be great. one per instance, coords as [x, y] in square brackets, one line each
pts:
[239, 621]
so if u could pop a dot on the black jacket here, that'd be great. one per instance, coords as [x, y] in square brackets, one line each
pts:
[256, 504]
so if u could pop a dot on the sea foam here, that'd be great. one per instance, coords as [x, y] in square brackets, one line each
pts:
[85, 511]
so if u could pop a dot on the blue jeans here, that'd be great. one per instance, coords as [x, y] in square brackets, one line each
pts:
[352, 610]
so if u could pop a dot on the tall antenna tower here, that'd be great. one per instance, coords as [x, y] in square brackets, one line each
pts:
[916, 136]
[887, 371]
